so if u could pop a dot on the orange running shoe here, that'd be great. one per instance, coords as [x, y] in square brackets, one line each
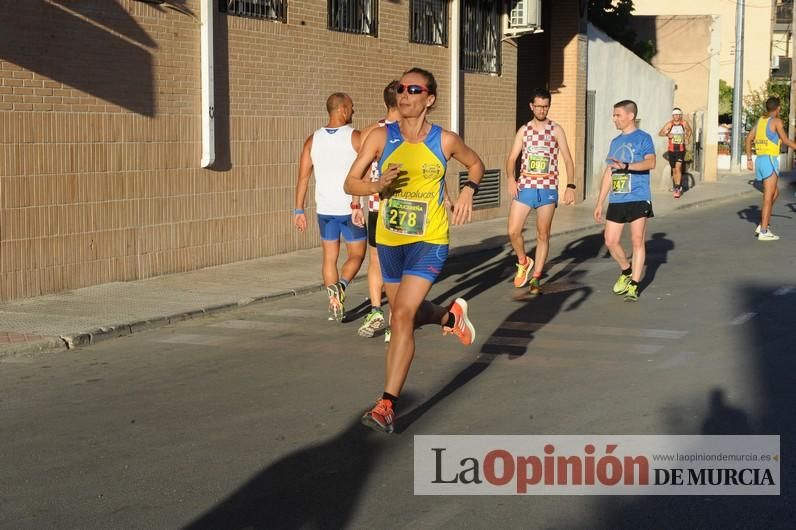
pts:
[523, 272]
[380, 417]
[462, 327]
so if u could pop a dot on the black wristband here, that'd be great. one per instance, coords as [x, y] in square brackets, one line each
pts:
[571, 187]
[470, 184]
[627, 166]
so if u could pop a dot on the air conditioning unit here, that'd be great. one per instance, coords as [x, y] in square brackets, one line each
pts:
[525, 15]
[775, 62]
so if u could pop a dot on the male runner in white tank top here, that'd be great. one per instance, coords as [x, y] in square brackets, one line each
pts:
[330, 151]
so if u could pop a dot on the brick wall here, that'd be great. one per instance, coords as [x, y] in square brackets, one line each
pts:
[100, 135]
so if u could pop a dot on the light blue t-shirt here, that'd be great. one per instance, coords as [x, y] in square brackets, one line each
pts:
[630, 148]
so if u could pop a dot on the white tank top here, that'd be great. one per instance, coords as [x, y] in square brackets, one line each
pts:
[332, 155]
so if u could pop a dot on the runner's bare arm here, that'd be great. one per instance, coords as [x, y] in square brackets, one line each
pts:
[688, 132]
[454, 147]
[605, 186]
[302, 183]
[779, 127]
[356, 182]
[665, 129]
[514, 154]
[569, 193]
[646, 164]
[748, 147]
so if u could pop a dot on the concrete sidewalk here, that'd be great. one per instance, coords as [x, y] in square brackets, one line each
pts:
[85, 316]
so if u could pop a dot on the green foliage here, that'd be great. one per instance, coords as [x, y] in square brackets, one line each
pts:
[755, 103]
[725, 101]
[613, 17]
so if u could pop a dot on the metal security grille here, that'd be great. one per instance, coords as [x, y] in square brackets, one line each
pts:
[430, 22]
[489, 193]
[267, 9]
[481, 36]
[354, 16]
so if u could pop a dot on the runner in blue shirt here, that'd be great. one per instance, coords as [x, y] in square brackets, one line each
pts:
[626, 183]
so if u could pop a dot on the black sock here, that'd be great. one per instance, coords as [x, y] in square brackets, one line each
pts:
[628, 271]
[389, 397]
[451, 320]
[375, 308]
[634, 283]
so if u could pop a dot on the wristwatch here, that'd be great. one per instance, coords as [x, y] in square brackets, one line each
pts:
[627, 166]
[571, 187]
[472, 185]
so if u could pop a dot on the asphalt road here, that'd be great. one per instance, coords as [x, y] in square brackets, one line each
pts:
[250, 419]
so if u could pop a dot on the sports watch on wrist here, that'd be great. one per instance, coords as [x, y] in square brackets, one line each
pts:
[472, 185]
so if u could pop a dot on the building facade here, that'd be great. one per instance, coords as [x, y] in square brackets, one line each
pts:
[100, 120]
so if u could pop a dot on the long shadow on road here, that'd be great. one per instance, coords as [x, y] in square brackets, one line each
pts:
[313, 487]
[515, 334]
[771, 337]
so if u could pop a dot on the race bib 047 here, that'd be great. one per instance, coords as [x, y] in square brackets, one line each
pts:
[405, 217]
[621, 183]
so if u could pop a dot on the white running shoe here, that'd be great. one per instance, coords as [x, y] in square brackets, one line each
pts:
[767, 236]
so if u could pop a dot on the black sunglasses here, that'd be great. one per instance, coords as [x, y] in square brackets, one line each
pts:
[412, 89]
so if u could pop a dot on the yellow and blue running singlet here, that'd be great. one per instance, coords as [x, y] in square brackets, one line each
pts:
[414, 211]
[767, 147]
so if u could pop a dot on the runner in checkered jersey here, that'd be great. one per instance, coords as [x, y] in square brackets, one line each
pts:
[540, 141]
[374, 320]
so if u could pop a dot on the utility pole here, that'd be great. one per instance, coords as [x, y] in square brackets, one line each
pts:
[737, 91]
[791, 108]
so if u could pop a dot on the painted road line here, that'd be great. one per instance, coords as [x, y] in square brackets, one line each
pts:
[544, 343]
[646, 333]
[742, 319]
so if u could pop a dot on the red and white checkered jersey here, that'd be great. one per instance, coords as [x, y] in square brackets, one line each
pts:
[375, 175]
[539, 158]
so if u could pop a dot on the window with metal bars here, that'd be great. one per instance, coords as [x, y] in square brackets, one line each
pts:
[354, 16]
[480, 36]
[429, 24]
[489, 193]
[267, 9]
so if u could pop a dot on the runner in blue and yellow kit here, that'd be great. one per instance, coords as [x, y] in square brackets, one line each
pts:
[412, 234]
[767, 135]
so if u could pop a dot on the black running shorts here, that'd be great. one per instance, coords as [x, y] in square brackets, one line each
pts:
[676, 156]
[627, 212]
[373, 218]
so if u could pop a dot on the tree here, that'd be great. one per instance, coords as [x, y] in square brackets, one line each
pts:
[755, 102]
[725, 102]
[614, 18]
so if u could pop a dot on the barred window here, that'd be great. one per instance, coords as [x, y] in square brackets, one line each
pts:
[354, 16]
[481, 36]
[429, 22]
[267, 9]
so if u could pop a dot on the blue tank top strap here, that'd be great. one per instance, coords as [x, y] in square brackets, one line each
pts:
[772, 136]
[394, 139]
[434, 142]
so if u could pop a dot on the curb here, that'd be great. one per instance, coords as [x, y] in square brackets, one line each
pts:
[43, 345]
[94, 336]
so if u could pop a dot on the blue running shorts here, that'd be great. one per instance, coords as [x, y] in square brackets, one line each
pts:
[534, 198]
[765, 166]
[332, 226]
[418, 259]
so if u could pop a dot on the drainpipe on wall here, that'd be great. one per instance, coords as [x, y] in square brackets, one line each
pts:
[208, 96]
[455, 74]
